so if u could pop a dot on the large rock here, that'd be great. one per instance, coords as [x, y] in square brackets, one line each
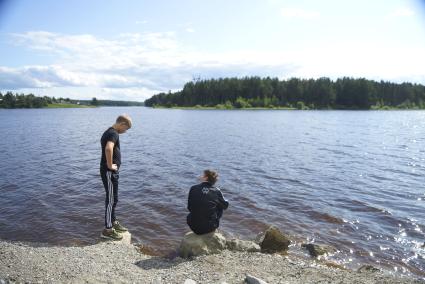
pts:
[240, 245]
[273, 240]
[193, 244]
[316, 250]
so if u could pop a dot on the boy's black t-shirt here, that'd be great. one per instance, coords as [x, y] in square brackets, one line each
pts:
[110, 135]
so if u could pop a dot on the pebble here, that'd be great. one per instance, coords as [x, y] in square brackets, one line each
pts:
[90, 264]
[254, 280]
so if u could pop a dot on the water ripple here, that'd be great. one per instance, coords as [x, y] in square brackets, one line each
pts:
[353, 180]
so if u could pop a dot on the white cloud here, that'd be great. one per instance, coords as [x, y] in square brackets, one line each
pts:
[357, 60]
[139, 64]
[297, 13]
[402, 12]
[38, 77]
[135, 66]
[188, 27]
[127, 94]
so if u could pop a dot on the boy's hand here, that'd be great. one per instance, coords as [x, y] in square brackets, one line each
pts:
[114, 167]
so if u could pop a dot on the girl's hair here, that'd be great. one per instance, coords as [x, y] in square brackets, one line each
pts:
[211, 176]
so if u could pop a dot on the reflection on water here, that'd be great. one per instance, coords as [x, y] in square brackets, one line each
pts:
[351, 179]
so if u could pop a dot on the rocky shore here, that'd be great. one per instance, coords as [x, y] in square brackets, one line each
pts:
[121, 262]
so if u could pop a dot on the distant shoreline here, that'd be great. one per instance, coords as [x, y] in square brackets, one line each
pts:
[280, 108]
[57, 106]
[215, 108]
[68, 106]
[22, 101]
[299, 93]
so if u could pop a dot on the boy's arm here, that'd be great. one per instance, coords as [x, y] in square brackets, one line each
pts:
[109, 151]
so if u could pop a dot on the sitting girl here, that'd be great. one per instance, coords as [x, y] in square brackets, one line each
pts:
[205, 204]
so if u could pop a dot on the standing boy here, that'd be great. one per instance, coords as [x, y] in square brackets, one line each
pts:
[109, 171]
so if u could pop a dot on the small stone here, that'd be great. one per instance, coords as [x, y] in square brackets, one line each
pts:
[367, 268]
[189, 281]
[249, 279]
[316, 250]
[241, 245]
[213, 260]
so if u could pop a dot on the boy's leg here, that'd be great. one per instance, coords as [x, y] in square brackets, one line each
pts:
[109, 232]
[115, 224]
[114, 180]
[109, 197]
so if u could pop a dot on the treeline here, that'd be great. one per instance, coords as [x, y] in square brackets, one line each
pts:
[96, 102]
[10, 100]
[322, 93]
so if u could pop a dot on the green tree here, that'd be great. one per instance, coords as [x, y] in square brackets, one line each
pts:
[9, 100]
[94, 102]
[241, 103]
[301, 105]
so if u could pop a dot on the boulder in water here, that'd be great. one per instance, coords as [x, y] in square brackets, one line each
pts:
[316, 250]
[272, 240]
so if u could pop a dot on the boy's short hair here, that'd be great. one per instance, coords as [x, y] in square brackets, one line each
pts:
[124, 119]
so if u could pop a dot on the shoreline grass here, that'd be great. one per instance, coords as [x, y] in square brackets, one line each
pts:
[385, 108]
[217, 108]
[68, 106]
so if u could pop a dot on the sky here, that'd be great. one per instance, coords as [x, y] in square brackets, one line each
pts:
[131, 50]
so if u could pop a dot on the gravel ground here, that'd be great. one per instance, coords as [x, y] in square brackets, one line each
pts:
[110, 262]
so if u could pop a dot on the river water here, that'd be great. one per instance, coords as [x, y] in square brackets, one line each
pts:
[350, 179]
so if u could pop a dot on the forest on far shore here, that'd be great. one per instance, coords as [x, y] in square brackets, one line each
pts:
[322, 93]
[10, 100]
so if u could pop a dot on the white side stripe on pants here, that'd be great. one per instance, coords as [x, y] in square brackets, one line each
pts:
[110, 201]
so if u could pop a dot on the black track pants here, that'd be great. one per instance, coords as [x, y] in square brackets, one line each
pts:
[110, 182]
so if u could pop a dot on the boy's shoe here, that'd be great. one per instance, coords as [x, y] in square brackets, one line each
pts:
[118, 227]
[111, 234]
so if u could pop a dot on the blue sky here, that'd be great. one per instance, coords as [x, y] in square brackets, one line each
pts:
[130, 50]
